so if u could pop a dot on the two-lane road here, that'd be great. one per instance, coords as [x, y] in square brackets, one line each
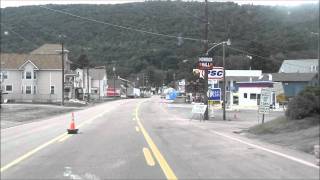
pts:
[139, 139]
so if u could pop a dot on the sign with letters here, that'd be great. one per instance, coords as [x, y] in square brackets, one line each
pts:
[199, 109]
[205, 63]
[265, 101]
[215, 94]
[216, 73]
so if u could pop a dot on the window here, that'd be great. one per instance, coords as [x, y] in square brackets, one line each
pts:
[253, 96]
[34, 89]
[51, 89]
[28, 89]
[28, 75]
[34, 74]
[8, 88]
[22, 75]
[245, 95]
[5, 74]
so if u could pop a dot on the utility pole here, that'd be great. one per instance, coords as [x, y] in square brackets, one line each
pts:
[174, 80]
[206, 115]
[62, 68]
[88, 96]
[224, 81]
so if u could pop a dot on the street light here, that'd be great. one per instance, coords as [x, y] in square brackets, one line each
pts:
[224, 43]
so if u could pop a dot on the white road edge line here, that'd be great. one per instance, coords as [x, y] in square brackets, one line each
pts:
[268, 150]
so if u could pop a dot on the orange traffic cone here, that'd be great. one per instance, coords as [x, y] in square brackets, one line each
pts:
[72, 129]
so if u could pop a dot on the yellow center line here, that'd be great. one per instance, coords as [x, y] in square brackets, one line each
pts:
[156, 152]
[64, 138]
[35, 150]
[30, 153]
[137, 128]
[148, 156]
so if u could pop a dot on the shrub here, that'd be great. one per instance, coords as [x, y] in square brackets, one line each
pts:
[305, 104]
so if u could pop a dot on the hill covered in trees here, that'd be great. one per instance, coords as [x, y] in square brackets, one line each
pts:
[271, 33]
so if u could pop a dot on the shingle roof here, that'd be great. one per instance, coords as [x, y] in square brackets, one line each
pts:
[299, 65]
[293, 77]
[42, 61]
[48, 49]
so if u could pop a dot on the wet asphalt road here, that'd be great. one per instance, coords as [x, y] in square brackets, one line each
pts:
[143, 139]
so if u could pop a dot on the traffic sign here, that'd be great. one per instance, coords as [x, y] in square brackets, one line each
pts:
[205, 63]
[215, 94]
[215, 73]
[265, 101]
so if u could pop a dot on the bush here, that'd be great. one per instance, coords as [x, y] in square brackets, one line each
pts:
[305, 104]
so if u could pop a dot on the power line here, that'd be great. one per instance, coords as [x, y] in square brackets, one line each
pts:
[242, 51]
[119, 26]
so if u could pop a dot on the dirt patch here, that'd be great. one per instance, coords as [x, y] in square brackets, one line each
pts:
[295, 134]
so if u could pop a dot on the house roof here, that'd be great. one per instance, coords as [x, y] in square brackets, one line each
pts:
[49, 49]
[293, 77]
[42, 61]
[299, 65]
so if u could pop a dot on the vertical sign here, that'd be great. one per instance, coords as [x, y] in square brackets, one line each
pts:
[265, 101]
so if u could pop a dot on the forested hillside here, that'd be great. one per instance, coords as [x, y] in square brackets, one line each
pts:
[272, 33]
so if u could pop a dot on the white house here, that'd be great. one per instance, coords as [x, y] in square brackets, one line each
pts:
[33, 77]
[96, 82]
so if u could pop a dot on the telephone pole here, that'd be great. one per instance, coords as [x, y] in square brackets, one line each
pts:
[206, 115]
[62, 68]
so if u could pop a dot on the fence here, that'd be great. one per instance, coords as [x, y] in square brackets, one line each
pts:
[41, 98]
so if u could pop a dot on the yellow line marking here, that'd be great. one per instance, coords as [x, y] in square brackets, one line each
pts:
[33, 151]
[137, 128]
[156, 152]
[30, 153]
[64, 138]
[148, 156]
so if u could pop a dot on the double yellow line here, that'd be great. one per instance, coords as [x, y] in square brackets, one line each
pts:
[156, 152]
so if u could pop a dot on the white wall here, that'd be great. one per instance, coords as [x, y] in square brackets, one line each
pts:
[14, 79]
[247, 101]
[244, 73]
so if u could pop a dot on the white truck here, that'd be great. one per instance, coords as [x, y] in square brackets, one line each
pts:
[133, 92]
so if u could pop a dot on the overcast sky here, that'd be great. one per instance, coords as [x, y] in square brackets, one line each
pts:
[14, 3]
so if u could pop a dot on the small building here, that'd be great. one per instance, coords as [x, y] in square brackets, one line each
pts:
[249, 93]
[95, 83]
[293, 83]
[33, 77]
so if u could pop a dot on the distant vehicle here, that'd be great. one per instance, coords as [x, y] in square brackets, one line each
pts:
[133, 92]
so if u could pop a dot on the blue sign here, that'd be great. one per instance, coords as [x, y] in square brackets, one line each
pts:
[215, 94]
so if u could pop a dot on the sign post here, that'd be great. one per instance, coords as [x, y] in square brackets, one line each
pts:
[265, 101]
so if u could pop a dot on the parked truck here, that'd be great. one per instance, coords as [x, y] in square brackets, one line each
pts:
[133, 92]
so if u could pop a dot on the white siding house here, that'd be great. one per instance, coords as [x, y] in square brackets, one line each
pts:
[33, 77]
